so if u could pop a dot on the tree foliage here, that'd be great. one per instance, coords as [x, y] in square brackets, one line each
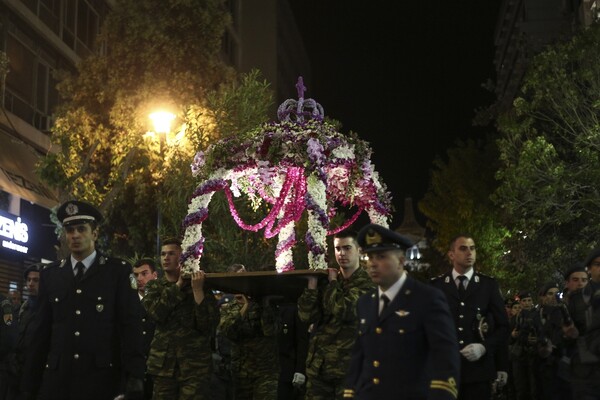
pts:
[458, 202]
[153, 53]
[549, 152]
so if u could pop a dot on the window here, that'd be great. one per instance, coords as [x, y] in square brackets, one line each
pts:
[30, 87]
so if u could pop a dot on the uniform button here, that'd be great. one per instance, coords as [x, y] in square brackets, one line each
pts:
[376, 364]
[401, 331]
[143, 319]
[143, 332]
[460, 328]
[462, 303]
[76, 333]
[56, 299]
[78, 291]
[461, 316]
[461, 341]
[376, 381]
[76, 356]
[77, 312]
[378, 330]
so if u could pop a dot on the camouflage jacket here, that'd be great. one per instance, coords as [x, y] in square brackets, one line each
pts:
[332, 310]
[253, 338]
[184, 330]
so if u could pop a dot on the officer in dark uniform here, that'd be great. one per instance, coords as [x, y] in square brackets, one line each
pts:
[87, 331]
[584, 309]
[144, 270]
[407, 346]
[293, 348]
[8, 336]
[24, 323]
[481, 321]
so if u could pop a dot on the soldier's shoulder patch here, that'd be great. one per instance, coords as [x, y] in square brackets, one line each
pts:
[154, 282]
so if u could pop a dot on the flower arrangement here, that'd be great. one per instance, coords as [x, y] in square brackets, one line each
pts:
[301, 163]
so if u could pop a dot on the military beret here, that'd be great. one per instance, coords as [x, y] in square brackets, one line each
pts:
[375, 237]
[524, 294]
[577, 267]
[544, 289]
[77, 212]
[592, 256]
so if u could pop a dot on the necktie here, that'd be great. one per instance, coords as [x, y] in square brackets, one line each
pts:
[80, 270]
[461, 286]
[386, 301]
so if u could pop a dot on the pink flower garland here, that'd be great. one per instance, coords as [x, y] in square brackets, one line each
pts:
[292, 210]
[320, 168]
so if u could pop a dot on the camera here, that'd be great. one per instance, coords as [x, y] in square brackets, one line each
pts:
[563, 308]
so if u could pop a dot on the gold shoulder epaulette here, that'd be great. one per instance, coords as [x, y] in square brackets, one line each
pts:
[449, 386]
[348, 393]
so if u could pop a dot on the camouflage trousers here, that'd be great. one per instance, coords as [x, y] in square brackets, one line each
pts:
[259, 387]
[177, 387]
[319, 389]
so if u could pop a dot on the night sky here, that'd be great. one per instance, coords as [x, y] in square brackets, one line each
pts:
[406, 76]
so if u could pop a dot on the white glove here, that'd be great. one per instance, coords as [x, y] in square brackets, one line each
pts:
[473, 351]
[298, 379]
[502, 378]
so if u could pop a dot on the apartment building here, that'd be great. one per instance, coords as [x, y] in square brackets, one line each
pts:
[524, 27]
[39, 37]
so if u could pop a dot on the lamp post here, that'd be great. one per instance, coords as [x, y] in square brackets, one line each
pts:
[162, 126]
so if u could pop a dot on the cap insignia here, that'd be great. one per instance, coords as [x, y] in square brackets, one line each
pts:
[71, 209]
[373, 238]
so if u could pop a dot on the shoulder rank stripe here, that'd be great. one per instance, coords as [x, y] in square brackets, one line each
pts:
[348, 393]
[449, 386]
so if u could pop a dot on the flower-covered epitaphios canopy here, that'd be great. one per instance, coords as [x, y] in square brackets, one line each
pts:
[301, 163]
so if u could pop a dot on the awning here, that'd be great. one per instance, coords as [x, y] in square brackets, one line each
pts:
[17, 175]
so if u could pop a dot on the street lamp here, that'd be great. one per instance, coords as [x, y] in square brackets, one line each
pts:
[162, 121]
[162, 126]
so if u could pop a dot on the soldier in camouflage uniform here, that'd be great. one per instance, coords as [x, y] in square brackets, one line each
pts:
[332, 311]
[186, 317]
[252, 330]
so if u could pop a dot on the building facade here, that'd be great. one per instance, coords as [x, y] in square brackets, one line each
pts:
[39, 37]
[264, 35]
[524, 27]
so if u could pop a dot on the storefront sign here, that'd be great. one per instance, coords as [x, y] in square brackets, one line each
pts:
[14, 233]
